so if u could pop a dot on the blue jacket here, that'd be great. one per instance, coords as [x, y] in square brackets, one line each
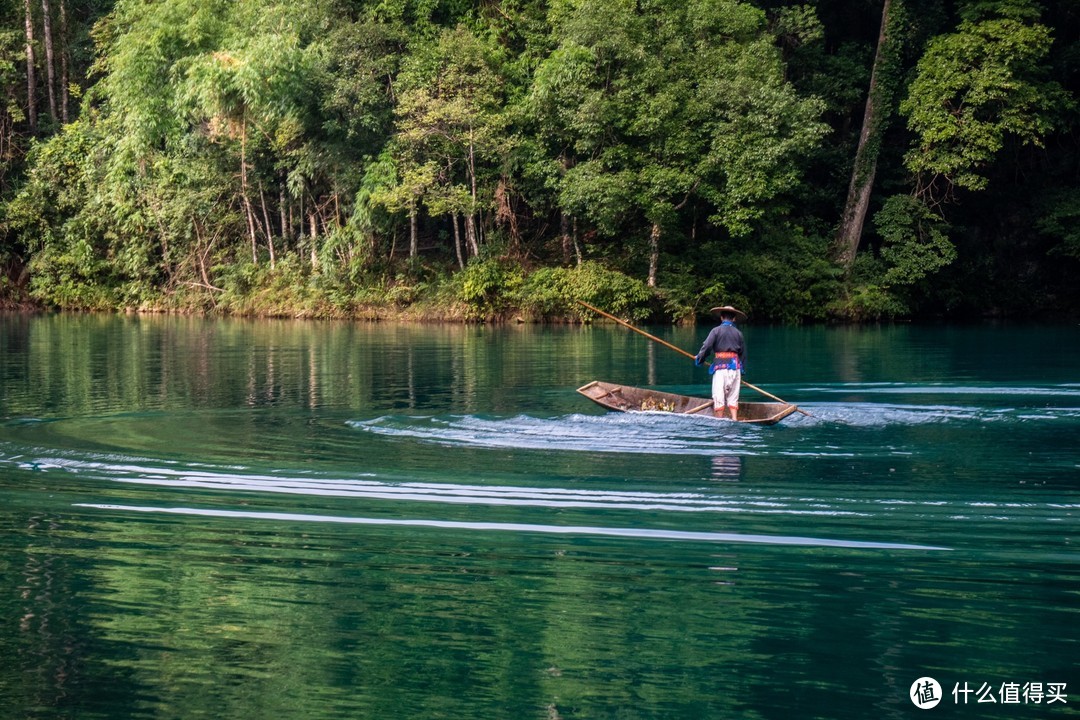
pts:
[723, 338]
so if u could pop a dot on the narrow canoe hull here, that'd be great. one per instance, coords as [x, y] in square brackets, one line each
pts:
[631, 399]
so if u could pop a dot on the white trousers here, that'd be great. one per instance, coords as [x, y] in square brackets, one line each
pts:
[725, 388]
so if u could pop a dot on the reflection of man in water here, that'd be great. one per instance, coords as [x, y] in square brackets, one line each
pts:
[726, 468]
[725, 343]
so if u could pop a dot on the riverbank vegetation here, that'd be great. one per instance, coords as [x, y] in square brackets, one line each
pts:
[498, 159]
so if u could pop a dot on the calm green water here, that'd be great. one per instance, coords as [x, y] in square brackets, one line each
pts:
[203, 518]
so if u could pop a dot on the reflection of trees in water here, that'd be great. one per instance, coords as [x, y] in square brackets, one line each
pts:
[47, 653]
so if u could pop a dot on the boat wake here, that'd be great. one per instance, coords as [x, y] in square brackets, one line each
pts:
[667, 433]
[639, 432]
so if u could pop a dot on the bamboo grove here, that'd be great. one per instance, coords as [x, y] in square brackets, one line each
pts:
[852, 159]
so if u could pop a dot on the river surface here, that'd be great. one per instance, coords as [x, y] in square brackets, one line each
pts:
[270, 519]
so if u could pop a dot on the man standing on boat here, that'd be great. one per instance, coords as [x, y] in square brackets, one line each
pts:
[726, 345]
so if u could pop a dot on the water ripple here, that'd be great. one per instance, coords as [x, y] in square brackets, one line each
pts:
[642, 533]
[368, 486]
[996, 390]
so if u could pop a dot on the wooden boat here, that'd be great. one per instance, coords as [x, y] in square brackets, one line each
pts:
[632, 399]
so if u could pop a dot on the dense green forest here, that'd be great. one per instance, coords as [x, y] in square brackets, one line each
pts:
[839, 159]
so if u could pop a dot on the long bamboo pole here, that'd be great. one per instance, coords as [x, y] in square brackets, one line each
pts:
[680, 350]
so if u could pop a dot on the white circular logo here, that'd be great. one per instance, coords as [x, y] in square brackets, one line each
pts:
[925, 693]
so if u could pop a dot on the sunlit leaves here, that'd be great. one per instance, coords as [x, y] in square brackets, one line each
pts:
[666, 100]
[450, 125]
[146, 46]
[975, 89]
[265, 81]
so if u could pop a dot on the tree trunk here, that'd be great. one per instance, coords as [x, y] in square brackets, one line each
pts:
[471, 230]
[878, 101]
[7, 137]
[64, 79]
[50, 65]
[296, 215]
[564, 234]
[654, 254]
[504, 213]
[269, 227]
[413, 242]
[457, 241]
[314, 234]
[577, 245]
[470, 234]
[31, 79]
[458, 249]
[569, 237]
[245, 200]
[202, 253]
[282, 208]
